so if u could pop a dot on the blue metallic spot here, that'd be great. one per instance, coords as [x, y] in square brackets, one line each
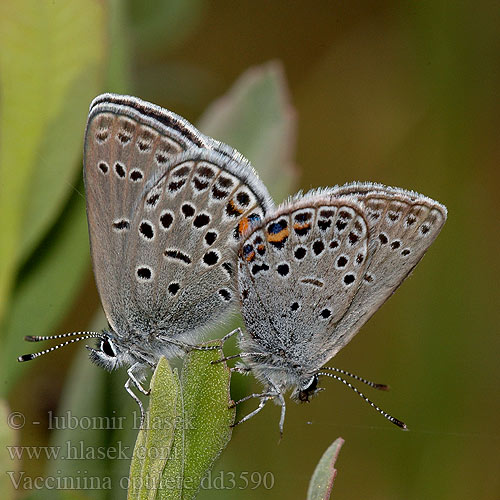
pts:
[247, 250]
[277, 227]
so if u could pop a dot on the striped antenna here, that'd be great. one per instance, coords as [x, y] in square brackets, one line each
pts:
[29, 357]
[381, 387]
[39, 338]
[373, 405]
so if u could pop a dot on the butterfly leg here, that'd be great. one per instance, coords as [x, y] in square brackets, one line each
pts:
[250, 396]
[240, 368]
[189, 347]
[234, 356]
[136, 399]
[230, 334]
[227, 358]
[134, 379]
[264, 399]
[283, 411]
[223, 341]
[202, 347]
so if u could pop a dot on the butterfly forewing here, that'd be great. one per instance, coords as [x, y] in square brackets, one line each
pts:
[402, 225]
[169, 124]
[150, 208]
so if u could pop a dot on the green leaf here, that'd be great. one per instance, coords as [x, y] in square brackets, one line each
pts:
[257, 119]
[320, 487]
[47, 287]
[76, 429]
[207, 418]
[47, 78]
[119, 64]
[154, 441]
[198, 406]
[7, 464]
[160, 26]
[172, 474]
[94, 395]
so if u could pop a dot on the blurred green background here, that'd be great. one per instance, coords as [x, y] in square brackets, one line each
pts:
[403, 93]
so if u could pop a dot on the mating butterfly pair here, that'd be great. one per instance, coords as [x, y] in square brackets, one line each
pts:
[181, 228]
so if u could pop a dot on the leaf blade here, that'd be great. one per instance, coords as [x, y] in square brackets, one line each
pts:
[321, 484]
[255, 117]
[38, 83]
[154, 442]
[206, 424]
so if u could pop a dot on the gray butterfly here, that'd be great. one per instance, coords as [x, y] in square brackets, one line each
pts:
[166, 207]
[312, 273]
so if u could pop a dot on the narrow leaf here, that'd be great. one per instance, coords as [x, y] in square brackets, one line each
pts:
[79, 427]
[320, 487]
[172, 476]
[205, 429]
[159, 26]
[93, 395]
[154, 441]
[207, 418]
[8, 438]
[257, 119]
[46, 288]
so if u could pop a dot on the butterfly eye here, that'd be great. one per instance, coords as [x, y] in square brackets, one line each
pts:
[107, 349]
[312, 384]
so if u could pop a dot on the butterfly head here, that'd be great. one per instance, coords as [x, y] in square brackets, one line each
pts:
[307, 389]
[107, 354]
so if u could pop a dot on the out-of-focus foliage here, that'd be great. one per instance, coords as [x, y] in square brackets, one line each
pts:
[47, 77]
[8, 438]
[257, 118]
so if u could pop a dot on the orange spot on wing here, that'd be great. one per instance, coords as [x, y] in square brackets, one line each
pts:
[243, 225]
[250, 257]
[284, 233]
[233, 209]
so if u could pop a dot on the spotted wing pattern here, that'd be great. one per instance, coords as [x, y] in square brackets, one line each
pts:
[166, 207]
[299, 272]
[314, 272]
[402, 225]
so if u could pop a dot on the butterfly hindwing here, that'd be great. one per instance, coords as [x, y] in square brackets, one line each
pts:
[317, 269]
[187, 233]
[299, 272]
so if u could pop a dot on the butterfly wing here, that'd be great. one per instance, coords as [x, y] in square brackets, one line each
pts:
[315, 271]
[179, 134]
[298, 273]
[149, 250]
[402, 225]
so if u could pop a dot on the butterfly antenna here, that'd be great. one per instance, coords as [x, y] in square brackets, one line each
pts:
[381, 387]
[373, 405]
[37, 338]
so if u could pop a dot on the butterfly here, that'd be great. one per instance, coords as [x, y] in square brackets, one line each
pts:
[313, 272]
[166, 208]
